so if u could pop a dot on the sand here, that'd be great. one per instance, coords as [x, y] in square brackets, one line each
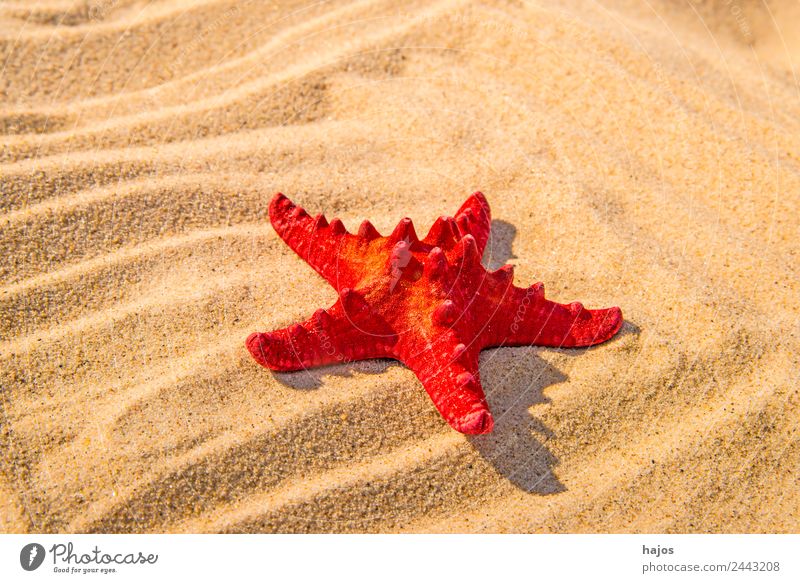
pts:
[645, 155]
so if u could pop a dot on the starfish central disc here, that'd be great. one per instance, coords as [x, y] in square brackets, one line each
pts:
[426, 302]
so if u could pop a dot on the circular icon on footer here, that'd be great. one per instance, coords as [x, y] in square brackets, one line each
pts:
[31, 556]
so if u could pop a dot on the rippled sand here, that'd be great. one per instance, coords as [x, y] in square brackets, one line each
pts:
[645, 155]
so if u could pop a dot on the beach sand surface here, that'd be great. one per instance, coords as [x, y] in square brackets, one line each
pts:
[645, 155]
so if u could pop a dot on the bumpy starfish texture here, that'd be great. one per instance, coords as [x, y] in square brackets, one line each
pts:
[426, 302]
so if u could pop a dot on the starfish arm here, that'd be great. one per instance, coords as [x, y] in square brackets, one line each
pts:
[337, 335]
[474, 218]
[525, 317]
[328, 248]
[449, 373]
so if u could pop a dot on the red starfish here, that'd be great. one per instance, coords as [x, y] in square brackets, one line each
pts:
[428, 303]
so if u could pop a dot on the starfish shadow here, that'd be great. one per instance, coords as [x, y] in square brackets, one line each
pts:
[514, 380]
[499, 248]
[628, 329]
[312, 378]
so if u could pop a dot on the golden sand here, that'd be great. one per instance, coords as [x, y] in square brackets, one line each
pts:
[645, 155]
